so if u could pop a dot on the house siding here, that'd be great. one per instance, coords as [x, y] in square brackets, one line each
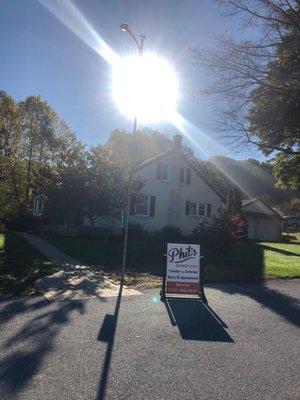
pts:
[171, 196]
[263, 222]
[261, 228]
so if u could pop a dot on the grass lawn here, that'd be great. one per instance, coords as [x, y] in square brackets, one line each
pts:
[146, 259]
[21, 265]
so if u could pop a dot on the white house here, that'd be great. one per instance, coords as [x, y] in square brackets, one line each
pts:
[175, 192]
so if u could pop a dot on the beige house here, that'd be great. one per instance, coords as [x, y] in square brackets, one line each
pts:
[264, 223]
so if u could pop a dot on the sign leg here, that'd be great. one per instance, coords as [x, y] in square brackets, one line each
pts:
[202, 294]
[163, 288]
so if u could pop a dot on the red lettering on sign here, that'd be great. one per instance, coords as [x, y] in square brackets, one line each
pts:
[182, 288]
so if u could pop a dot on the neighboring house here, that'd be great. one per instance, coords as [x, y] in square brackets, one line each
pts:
[292, 222]
[175, 192]
[264, 223]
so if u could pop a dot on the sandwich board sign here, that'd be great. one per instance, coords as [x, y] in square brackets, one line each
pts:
[182, 275]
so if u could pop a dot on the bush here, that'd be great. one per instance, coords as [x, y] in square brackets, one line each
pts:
[203, 233]
[168, 234]
[2, 226]
[89, 232]
[225, 230]
[136, 232]
[21, 222]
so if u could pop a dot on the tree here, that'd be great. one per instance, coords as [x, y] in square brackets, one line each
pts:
[105, 190]
[10, 144]
[149, 143]
[38, 126]
[233, 203]
[290, 207]
[287, 171]
[256, 81]
[35, 147]
[251, 177]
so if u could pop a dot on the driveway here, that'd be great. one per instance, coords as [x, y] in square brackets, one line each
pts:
[245, 346]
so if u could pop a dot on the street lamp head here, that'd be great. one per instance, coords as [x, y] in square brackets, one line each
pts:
[124, 27]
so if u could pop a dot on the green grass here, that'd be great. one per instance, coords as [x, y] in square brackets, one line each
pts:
[21, 265]
[282, 259]
[246, 262]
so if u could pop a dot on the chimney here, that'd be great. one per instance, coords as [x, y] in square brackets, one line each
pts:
[177, 143]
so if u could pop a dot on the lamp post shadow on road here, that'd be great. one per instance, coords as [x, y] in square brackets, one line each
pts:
[107, 334]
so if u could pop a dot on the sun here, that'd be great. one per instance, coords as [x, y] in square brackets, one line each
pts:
[145, 87]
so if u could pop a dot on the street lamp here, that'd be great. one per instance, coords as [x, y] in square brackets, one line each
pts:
[140, 44]
[144, 88]
[125, 28]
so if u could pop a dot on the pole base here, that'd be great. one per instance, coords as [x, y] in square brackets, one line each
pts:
[162, 296]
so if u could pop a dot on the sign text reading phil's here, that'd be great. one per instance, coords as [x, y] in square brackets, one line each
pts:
[183, 265]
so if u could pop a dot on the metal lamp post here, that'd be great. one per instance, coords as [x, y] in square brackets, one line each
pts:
[140, 44]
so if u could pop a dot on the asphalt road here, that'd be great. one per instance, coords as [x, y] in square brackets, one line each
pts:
[137, 348]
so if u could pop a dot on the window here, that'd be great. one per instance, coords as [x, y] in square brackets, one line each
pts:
[142, 205]
[201, 209]
[162, 169]
[185, 176]
[194, 208]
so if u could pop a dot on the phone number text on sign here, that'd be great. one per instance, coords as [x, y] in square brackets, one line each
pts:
[183, 265]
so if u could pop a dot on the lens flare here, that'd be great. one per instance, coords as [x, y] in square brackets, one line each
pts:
[67, 13]
[204, 144]
[145, 87]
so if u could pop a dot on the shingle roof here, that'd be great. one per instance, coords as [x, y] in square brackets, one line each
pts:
[193, 162]
[247, 202]
[153, 159]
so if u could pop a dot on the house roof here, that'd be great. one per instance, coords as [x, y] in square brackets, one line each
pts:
[193, 163]
[247, 202]
[153, 159]
[190, 160]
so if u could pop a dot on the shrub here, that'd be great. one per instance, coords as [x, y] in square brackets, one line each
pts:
[203, 233]
[21, 222]
[168, 234]
[90, 232]
[136, 231]
[224, 231]
[2, 226]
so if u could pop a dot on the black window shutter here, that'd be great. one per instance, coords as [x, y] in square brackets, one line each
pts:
[158, 170]
[132, 203]
[208, 210]
[152, 206]
[187, 208]
[188, 176]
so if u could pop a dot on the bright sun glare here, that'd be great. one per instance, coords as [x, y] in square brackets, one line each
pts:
[145, 87]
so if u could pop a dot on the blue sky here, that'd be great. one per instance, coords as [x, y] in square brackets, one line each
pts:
[39, 55]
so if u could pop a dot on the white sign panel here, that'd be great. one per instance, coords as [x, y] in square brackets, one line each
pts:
[183, 267]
